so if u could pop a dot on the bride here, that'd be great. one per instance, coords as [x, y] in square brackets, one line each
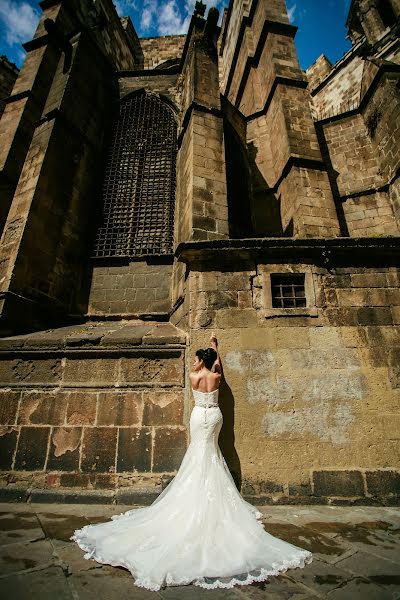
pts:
[199, 530]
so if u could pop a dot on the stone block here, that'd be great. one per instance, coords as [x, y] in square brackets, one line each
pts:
[126, 336]
[245, 299]
[134, 449]
[13, 494]
[90, 371]
[8, 406]
[236, 317]
[374, 316]
[164, 334]
[22, 371]
[98, 449]
[163, 408]
[64, 449]
[369, 280]
[119, 408]
[32, 448]
[140, 497]
[105, 481]
[8, 442]
[42, 408]
[338, 483]
[169, 448]
[153, 369]
[383, 482]
[76, 497]
[81, 480]
[222, 299]
[81, 408]
[300, 490]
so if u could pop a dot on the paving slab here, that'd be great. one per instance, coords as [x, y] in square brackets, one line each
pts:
[19, 527]
[47, 584]
[321, 577]
[193, 592]
[278, 588]
[20, 557]
[361, 589]
[106, 584]
[356, 556]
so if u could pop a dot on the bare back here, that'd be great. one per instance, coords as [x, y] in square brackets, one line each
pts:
[205, 381]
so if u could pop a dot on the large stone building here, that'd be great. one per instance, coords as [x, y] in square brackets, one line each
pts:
[153, 191]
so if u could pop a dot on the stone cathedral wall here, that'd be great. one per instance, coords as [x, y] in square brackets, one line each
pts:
[278, 179]
[310, 397]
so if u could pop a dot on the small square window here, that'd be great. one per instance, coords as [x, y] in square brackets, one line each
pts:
[288, 290]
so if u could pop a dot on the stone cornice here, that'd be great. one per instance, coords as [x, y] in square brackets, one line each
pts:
[252, 61]
[279, 80]
[327, 251]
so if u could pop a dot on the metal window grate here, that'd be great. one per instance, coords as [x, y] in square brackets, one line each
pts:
[139, 184]
[288, 291]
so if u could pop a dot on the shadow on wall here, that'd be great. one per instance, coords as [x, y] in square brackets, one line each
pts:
[227, 436]
[254, 209]
[265, 207]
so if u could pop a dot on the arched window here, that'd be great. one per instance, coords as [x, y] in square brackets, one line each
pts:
[139, 183]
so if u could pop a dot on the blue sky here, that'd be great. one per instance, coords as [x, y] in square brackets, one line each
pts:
[321, 23]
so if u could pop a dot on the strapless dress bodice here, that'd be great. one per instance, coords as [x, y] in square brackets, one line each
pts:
[205, 399]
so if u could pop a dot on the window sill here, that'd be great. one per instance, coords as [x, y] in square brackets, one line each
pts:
[271, 313]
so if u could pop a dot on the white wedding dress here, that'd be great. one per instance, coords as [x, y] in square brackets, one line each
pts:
[199, 530]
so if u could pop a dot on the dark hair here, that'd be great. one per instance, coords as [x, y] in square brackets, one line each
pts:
[208, 356]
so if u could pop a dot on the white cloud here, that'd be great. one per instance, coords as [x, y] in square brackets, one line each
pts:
[162, 17]
[148, 14]
[291, 10]
[170, 19]
[19, 20]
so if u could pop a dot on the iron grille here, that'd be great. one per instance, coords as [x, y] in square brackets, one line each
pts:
[288, 291]
[139, 184]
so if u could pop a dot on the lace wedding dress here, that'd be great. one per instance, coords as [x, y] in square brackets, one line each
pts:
[199, 530]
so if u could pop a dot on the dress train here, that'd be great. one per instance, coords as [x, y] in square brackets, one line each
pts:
[199, 530]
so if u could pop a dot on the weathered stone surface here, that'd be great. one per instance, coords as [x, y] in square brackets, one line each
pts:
[64, 448]
[163, 408]
[169, 448]
[32, 448]
[164, 334]
[41, 407]
[134, 449]
[153, 369]
[90, 371]
[338, 483]
[140, 497]
[8, 442]
[19, 557]
[81, 408]
[8, 407]
[119, 408]
[13, 494]
[81, 480]
[24, 371]
[383, 483]
[46, 584]
[98, 449]
[126, 336]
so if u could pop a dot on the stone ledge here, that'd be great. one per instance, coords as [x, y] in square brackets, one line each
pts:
[100, 336]
[145, 497]
[327, 251]
[124, 496]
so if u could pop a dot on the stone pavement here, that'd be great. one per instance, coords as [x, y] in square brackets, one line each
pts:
[356, 556]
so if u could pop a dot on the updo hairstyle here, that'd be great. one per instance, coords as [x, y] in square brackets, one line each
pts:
[208, 356]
